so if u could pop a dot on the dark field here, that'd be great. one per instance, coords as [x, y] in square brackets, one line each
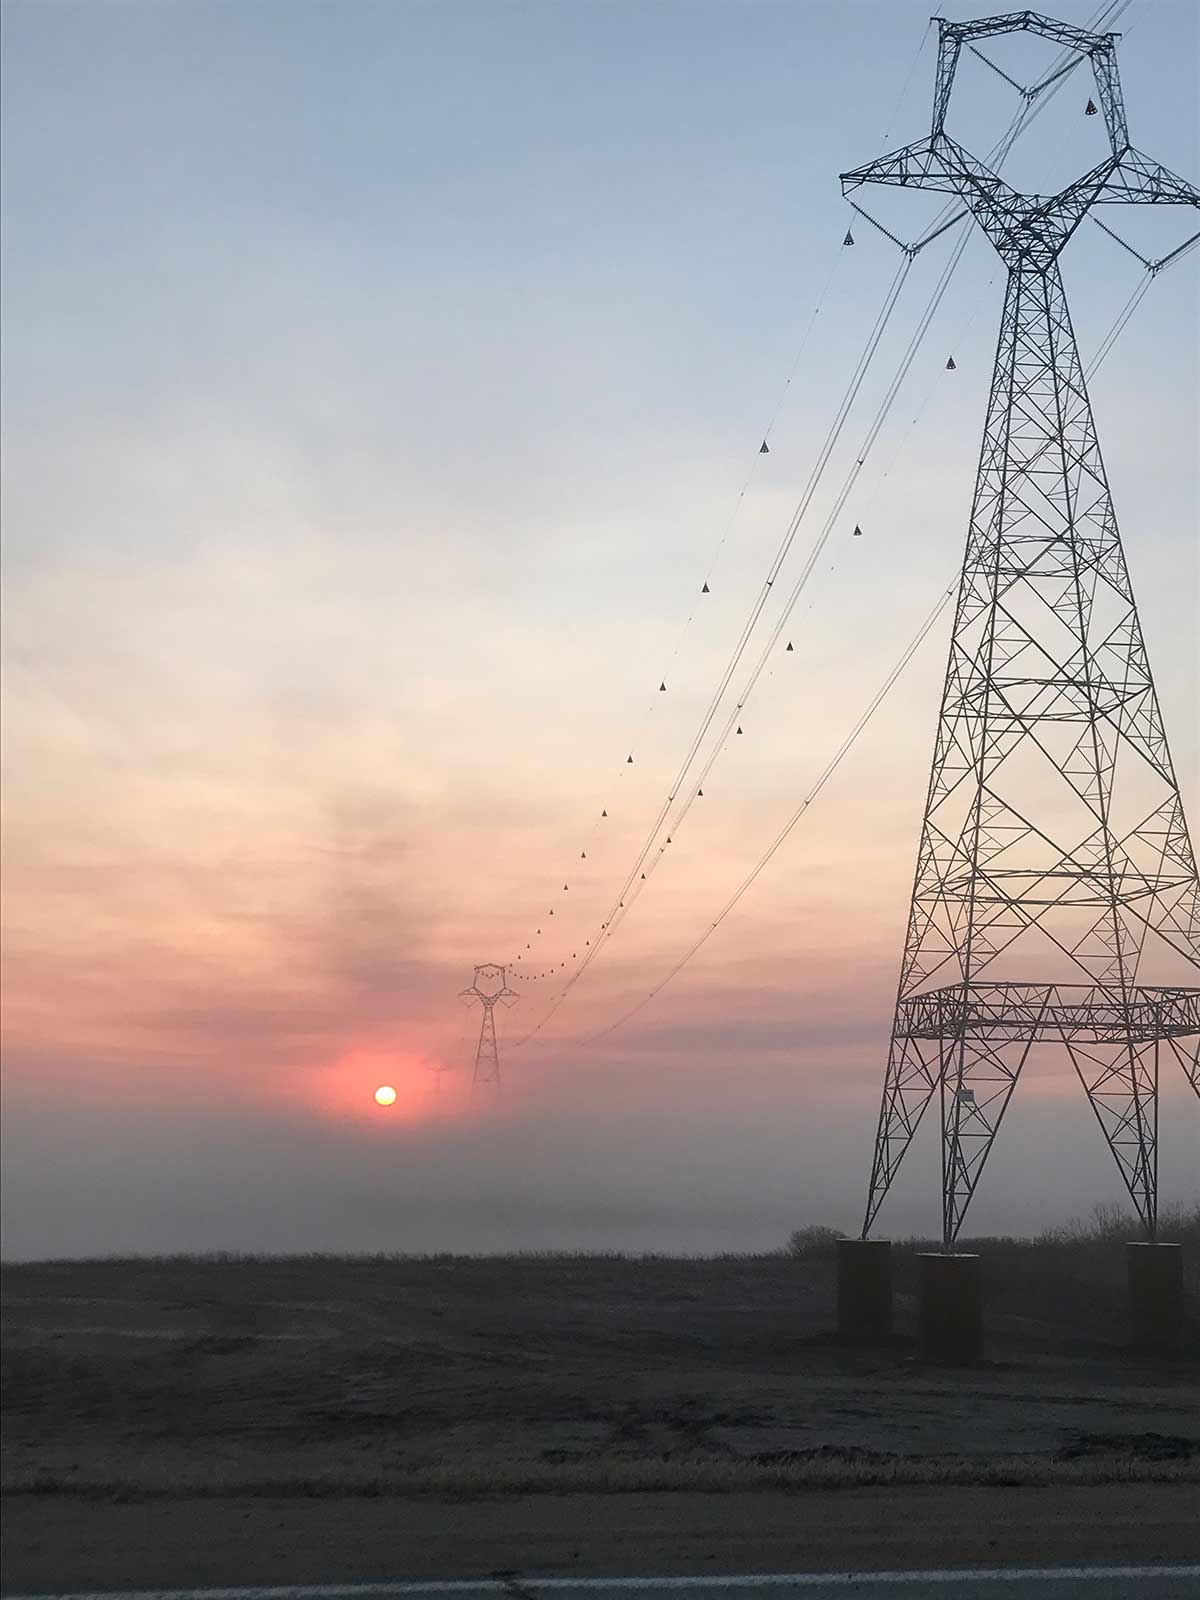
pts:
[462, 1377]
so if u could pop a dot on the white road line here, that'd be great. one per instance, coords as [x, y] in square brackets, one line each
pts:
[749, 1580]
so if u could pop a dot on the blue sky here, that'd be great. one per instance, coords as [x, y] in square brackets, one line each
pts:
[379, 381]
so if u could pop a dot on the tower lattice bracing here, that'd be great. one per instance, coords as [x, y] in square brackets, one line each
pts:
[490, 989]
[1054, 869]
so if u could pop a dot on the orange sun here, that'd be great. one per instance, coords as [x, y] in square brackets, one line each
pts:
[385, 1095]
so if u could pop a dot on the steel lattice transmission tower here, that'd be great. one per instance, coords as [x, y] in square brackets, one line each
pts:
[1054, 850]
[490, 988]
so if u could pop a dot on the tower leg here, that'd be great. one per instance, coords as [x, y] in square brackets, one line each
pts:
[913, 1069]
[1187, 1053]
[975, 1091]
[1121, 1083]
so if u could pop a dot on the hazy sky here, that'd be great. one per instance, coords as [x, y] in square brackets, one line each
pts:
[379, 382]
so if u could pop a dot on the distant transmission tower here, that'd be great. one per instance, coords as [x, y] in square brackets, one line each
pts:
[1054, 840]
[490, 987]
[439, 1070]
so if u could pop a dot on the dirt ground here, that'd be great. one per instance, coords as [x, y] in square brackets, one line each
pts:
[236, 1393]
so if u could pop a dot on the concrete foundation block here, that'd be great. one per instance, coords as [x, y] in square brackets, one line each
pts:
[951, 1309]
[864, 1290]
[1155, 1297]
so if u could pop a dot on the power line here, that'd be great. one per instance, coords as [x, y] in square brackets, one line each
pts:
[873, 705]
[761, 600]
[714, 559]
[631, 888]
[831, 767]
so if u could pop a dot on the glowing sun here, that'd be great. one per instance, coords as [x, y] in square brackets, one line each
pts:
[385, 1095]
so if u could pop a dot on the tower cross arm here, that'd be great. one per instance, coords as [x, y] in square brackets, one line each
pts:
[1020, 224]
[935, 163]
[940, 164]
[1136, 179]
[1126, 179]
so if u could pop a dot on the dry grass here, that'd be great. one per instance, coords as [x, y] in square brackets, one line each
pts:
[556, 1373]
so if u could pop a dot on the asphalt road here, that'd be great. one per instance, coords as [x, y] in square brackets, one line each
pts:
[62, 1544]
[1025, 1583]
